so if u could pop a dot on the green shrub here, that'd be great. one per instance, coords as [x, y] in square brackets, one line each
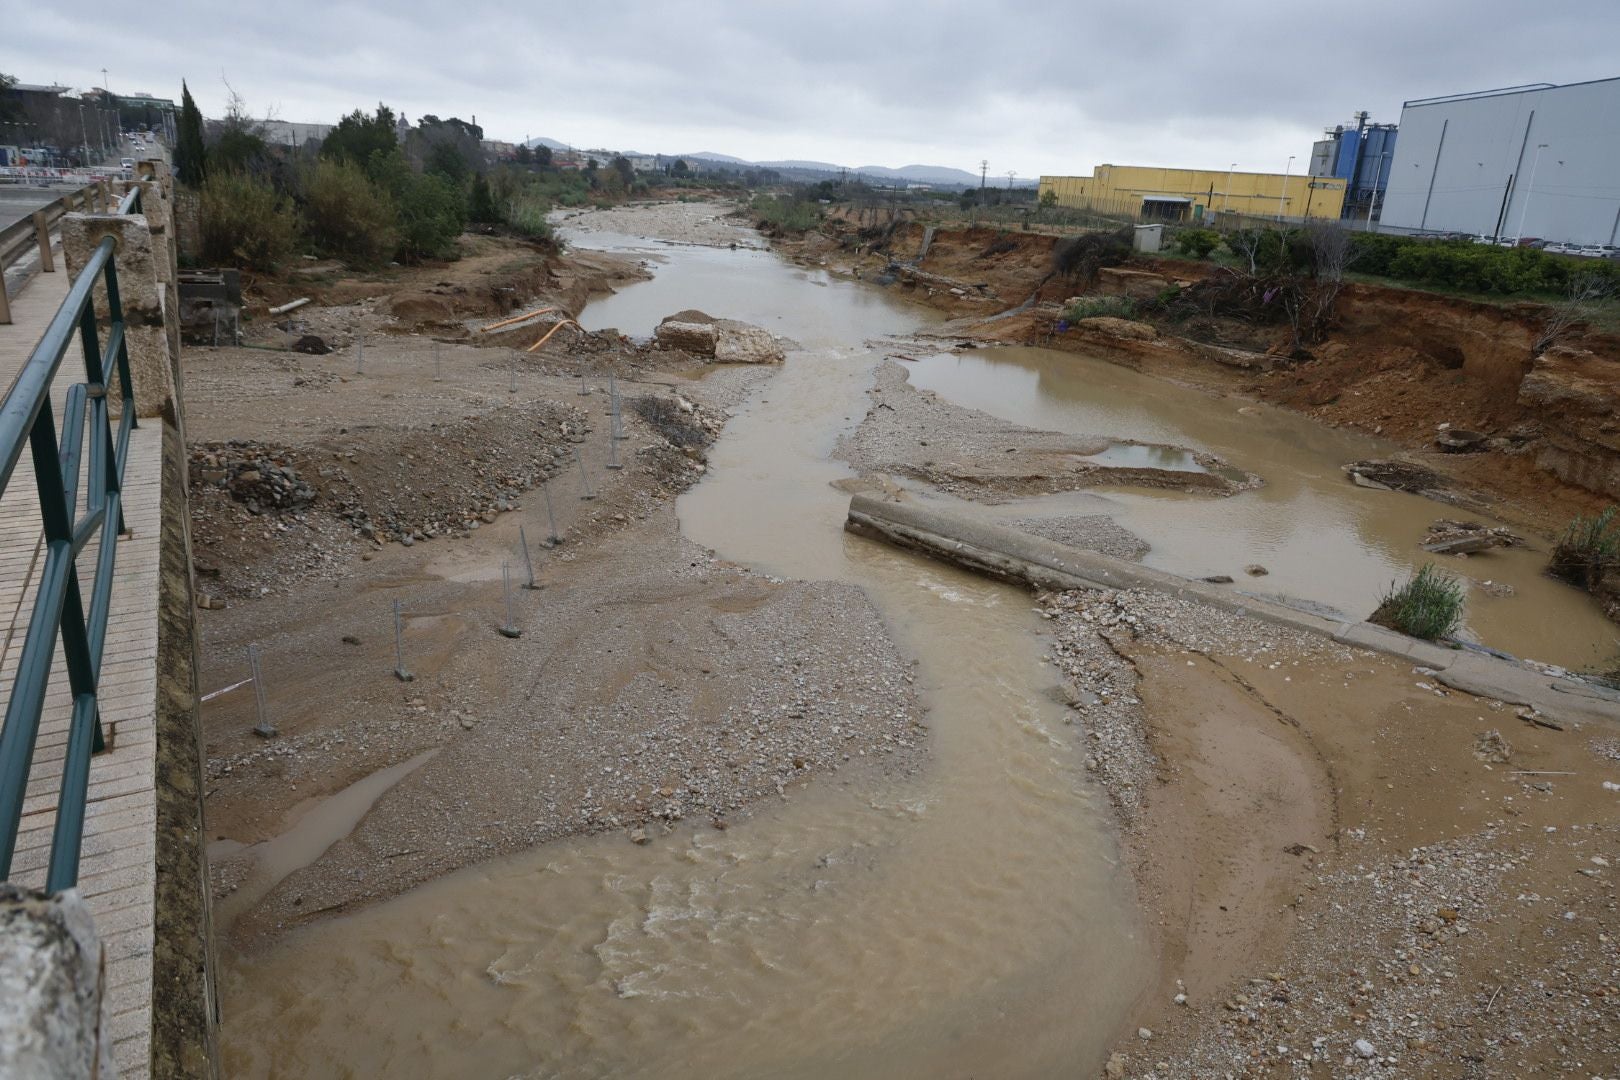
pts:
[348, 216]
[1589, 548]
[1197, 242]
[1091, 307]
[432, 213]
[785, 213]
[244, 222]
[1428, 606]
[526, 216]
[1469, 267]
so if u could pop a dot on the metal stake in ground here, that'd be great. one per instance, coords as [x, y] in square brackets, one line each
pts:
[583, 389]
[584, 479]
[359, 356]
[618, 426]
[401, 672]
[264, 729]
[528, 563]
[513, 388]
[613, 446]
[613, 395]
[551, 516]
[511, 628]
[438, 373]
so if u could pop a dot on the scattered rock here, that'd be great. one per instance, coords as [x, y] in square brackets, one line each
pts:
[1255, 570]
[312, 345]
[1489, 746]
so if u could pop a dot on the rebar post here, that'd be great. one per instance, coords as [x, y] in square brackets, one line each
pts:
[264, 729]
[584, 479]
[401, 672]
[359, 356]
[438, 371]
[528, 563]
[510, 629]
[613, 446]
[583, 389]
[551, 516]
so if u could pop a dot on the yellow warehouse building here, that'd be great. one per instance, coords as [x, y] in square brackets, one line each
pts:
[1194, 194]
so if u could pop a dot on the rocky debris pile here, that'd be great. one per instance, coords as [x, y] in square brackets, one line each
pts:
[1459, 441]
[1385, 475]
[725, 341]
[256, 476]
[456, 476]
[1448, 537]
[312, 345]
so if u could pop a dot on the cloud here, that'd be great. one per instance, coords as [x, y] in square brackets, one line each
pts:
[1035, 87]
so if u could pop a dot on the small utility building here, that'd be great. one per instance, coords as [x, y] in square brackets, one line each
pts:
[1193, 194]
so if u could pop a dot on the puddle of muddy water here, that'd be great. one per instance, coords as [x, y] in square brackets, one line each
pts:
[1320, 537]
[968, 920]
[1147, 456]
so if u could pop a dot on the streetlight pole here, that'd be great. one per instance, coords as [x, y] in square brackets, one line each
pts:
[1226, 197]
[1378, 189]
[1524, 211]
[1281, 194]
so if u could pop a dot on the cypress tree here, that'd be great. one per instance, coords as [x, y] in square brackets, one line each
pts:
[190, 155]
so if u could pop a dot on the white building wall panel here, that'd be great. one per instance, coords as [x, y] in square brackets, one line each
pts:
[1542, 163]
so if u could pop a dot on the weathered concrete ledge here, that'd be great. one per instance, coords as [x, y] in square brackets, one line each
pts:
[53, 1013]
[1024, 559]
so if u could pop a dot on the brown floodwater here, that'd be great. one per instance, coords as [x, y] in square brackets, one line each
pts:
[1321, 538]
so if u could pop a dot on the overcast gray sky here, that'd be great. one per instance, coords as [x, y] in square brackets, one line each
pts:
[1034, 87]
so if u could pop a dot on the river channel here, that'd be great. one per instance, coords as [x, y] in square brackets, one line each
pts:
[972, 920]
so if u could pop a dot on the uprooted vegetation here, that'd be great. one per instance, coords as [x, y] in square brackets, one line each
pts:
[1079, 258]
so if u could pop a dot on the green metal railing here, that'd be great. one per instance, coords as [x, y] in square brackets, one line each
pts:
[59, 611]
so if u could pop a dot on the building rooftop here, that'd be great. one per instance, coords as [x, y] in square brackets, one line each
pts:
[1527, 88]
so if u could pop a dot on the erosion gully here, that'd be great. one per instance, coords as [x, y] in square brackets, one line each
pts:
[970, 920]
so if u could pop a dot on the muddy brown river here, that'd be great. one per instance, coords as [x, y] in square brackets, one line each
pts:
[973, 920]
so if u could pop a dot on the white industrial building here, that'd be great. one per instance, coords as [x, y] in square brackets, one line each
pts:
[1528, 161]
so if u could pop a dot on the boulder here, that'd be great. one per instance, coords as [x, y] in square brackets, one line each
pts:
[1118, 328]
[699, 339]
[741, 343]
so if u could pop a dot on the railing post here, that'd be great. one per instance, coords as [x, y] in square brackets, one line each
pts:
[42, 233]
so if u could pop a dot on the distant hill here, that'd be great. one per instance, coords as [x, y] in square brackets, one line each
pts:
[941, 175]
[922, 174]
